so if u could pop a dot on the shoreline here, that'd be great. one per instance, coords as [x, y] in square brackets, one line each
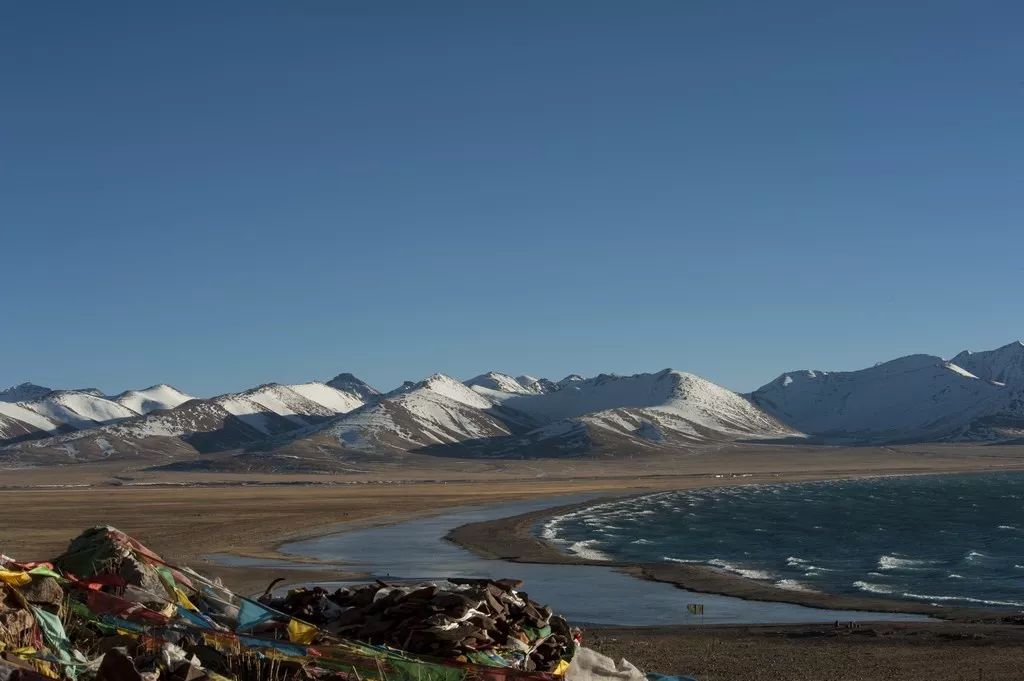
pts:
[513, 539]
[187, 523]
[241, 517]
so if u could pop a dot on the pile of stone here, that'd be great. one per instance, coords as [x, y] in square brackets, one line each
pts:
[475, 620]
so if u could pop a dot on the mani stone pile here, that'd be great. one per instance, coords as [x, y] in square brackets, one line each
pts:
[475, 620]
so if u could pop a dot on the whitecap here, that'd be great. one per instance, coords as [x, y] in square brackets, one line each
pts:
[964, 599]
[793, 585]
[741, 571]
[897, 563]
[585, 549]
[681, 560]
[871, 587]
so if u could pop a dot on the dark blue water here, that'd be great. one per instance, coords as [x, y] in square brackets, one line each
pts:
[950, 539]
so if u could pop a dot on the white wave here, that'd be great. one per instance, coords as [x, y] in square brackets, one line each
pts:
[585, 549]
[964, 599]
[975, 555]
[871, 587]
[641, 541]
[793, 561]
[1007, 527]
[680, 560]
[793, 585]
[953, 575]
[741, 571]
[897, 563]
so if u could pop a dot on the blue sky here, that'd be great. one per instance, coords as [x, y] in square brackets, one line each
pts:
[222, 194]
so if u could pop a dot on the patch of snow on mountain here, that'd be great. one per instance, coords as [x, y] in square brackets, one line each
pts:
[25, 415]
[454, 390]
[445, 419]
[246, 410]
[80, 409]
[336, 400]
[198, 417]
[960, 370]
[536, 385]
[498, 381]
[160, 396]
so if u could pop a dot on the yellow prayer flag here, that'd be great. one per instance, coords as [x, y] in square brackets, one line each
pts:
[184, 601]
[13, 578]
[300, 632]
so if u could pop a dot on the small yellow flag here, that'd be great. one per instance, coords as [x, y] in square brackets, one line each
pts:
[184, 601]
[15, 578]
[300, 632]
[562, 668]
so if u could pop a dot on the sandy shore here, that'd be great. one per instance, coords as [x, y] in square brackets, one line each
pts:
[188, 524]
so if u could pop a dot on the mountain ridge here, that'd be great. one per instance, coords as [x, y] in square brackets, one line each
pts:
[916, 398]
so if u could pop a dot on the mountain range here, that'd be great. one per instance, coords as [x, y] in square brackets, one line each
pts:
[319, 425]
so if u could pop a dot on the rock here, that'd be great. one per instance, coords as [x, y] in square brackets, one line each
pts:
[43, 590]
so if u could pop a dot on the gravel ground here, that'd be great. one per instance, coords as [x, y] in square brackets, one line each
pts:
[943, 651]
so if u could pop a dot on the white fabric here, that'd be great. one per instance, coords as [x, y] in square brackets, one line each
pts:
[590, 665]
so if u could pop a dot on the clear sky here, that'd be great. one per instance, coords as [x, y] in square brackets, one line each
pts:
[221, 194]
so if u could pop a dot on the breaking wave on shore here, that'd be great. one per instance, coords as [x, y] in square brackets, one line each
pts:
[943, 539]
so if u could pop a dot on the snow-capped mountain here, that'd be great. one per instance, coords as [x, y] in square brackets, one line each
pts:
[79, 408]
[350, 384]
[69, 422]
[155, 397]
[913, 398]
[1003, 365]
[608, 413]
[495, 380]
[569, 380]
[23, 392]
[18, 422]
[918, 398]
[537, 385]
[437, 411]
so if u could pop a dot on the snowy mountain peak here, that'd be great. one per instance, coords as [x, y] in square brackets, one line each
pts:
[495, 380]
[537, 385]
[569, 380]
[80, 409]
[160, 396]
[1003, 365]
[445, 385]
[348, 383]
[23, 392]
[338, 401]
[917, 397]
